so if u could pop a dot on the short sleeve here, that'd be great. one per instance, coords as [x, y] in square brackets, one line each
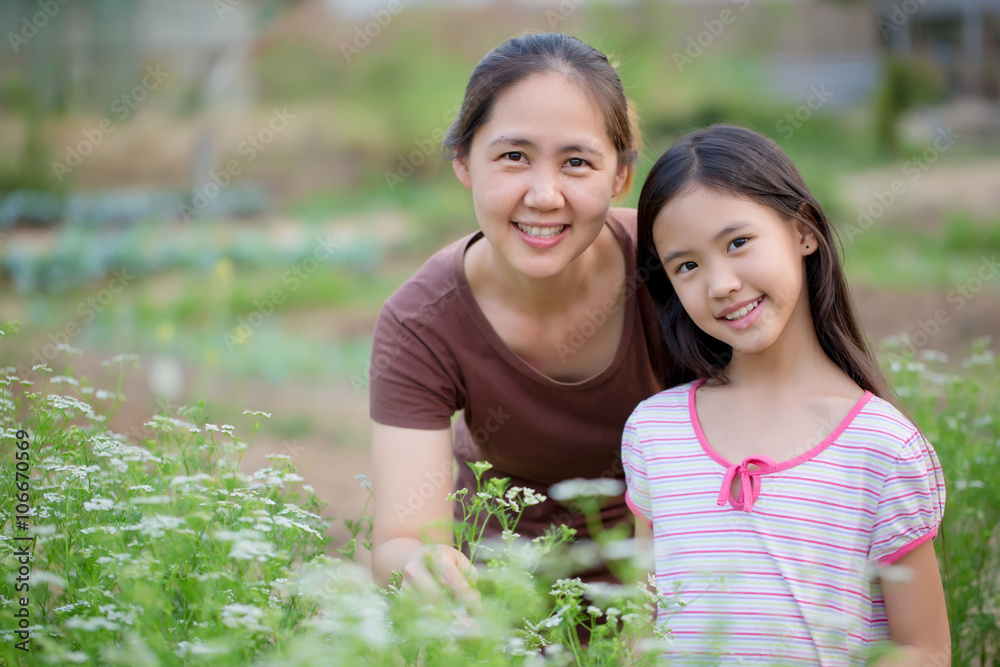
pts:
[636, 481]
[409, 385]
[911, 504]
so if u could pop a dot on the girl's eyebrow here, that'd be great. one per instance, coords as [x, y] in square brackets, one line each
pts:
[528, 143]
[725, 231]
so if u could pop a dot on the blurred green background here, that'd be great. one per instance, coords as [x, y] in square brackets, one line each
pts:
[231, 188]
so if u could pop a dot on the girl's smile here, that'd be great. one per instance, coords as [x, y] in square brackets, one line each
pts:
[742, 316]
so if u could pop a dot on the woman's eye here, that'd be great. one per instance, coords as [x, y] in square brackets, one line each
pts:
[514, 156]
[576, 162]
[685, 267]
[737, 243]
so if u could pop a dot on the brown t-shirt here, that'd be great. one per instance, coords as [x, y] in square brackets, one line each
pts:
[435, 353]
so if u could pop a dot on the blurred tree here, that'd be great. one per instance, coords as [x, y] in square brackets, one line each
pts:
[906, 83]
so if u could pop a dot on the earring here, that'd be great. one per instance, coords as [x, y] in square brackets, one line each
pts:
[807, 247]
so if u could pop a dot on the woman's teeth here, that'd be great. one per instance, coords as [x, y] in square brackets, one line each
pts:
[541, 232]
[742, 312]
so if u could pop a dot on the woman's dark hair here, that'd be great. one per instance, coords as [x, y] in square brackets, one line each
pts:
[520, 57]
[736, 161]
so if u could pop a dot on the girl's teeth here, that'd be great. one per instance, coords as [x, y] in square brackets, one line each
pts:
[541, 232]
[735, 315]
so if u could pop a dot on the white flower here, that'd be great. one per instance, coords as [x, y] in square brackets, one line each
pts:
[184, 649]
[243, 616]
[572, 489]
[67, 404]
[189, 482]
[156, 525]
[42, 577]
[60, 379]
[97, 504]
[69, 349]
[121, 359]
[257, 413]
[42, 367]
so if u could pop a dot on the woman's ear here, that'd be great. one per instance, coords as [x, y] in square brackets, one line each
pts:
[621, 178]
[461, 167]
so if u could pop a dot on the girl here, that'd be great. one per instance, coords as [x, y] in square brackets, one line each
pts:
[532, 327]
[780, 476]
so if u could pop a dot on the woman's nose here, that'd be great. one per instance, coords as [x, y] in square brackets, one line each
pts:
[544, 191]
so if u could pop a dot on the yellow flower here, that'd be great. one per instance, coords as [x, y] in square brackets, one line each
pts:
[223, 269]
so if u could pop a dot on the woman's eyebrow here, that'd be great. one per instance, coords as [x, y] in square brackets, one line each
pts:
[528, 143]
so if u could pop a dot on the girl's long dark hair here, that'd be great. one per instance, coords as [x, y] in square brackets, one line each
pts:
[740, 162]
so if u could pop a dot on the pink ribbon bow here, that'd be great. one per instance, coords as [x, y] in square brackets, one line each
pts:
[749, 487]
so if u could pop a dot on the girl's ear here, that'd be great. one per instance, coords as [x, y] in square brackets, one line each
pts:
[461, 167]
[806, 238]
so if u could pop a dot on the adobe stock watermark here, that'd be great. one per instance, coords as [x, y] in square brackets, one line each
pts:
[385, 352]
[86, 311]
[563, 11]
[438, 483]
[122, 107]
[223, 7]
[251, 147]
[407, 164]
[364, 34]
[579, 334]
[796, 119]
[266, 306]
[47, 10]
[913, 169]
[900, 14]
[958, 297]
[697, 44]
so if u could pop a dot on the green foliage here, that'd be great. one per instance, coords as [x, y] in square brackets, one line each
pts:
[904, 255]
[150, 543]
[151, 548]
[960, 415]
[906, 82]
[30, 171]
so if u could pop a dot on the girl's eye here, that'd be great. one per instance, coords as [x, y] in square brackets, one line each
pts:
[576, 162]
[514, 156]
[737, 243]
[685, 267]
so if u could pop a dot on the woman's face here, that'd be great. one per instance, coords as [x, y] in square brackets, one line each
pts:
[542, 171]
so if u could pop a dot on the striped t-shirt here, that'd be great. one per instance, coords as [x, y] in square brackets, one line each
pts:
[781, 574]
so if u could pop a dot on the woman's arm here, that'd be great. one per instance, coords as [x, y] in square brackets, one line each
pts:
[412, 532]
[918, 618]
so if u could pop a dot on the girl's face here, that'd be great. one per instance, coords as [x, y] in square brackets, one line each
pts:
[542, 171]
[737, 267]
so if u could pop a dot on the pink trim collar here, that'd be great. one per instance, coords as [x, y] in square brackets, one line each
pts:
[750, 478]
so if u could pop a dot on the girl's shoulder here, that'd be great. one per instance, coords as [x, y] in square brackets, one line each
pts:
[674, 398]
[881, 417]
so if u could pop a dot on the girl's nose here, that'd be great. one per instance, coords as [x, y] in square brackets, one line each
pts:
[723, 282]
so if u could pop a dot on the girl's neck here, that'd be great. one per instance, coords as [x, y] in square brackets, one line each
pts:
[795, 363]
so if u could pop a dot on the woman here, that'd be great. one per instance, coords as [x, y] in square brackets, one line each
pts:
[532, 327]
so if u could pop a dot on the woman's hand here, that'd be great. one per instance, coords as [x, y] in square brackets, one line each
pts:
[436, 571]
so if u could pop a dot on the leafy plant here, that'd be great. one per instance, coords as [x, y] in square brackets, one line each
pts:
[151, 548]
